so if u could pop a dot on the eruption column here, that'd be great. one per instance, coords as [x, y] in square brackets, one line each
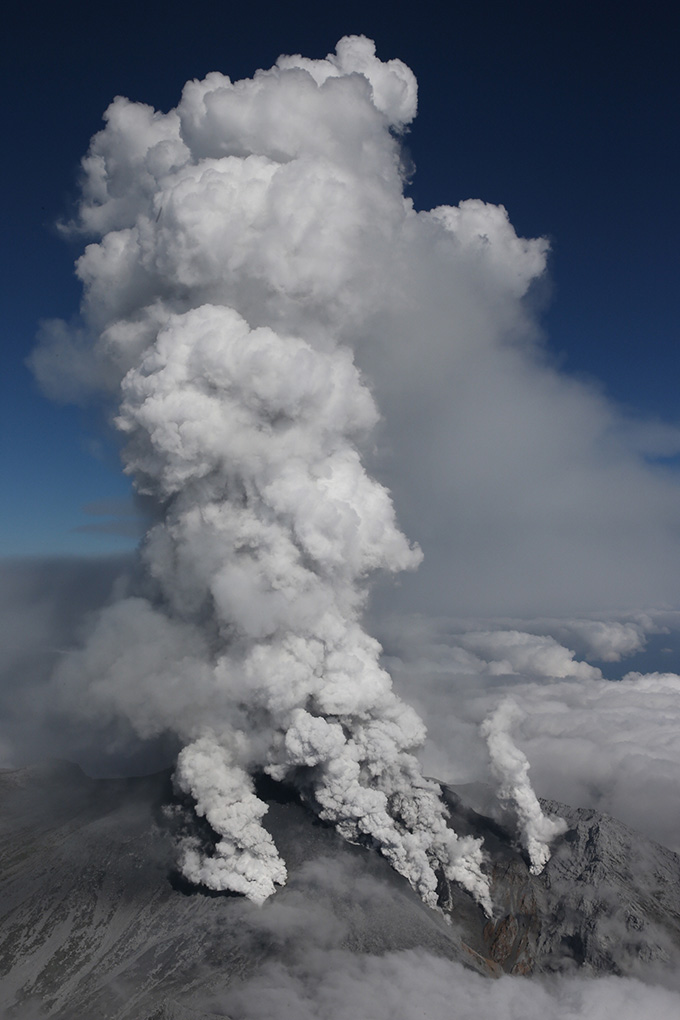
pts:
[221, 292]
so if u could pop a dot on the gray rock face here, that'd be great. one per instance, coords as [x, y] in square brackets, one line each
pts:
[95, 922]
[607, 901]
[613, 897]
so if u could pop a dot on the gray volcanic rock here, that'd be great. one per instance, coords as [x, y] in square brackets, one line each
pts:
[96, 922]
[608, 900]
[613, 896]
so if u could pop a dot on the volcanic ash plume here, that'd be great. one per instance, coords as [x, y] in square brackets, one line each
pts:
[221, 290]
[510, 766]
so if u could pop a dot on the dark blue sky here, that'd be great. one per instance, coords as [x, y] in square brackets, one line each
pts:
[566, 113]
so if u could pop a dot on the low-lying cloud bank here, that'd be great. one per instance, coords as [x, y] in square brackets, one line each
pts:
[402, 986]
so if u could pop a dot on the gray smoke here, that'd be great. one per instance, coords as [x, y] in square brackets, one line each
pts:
[222, 296]
[510, 766]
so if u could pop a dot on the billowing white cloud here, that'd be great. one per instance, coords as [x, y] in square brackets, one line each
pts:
[220, 290]
[281, 197]
[516, 652]
[606, 640]
[393, 85]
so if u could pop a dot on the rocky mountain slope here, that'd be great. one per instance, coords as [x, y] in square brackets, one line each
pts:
[95, 921]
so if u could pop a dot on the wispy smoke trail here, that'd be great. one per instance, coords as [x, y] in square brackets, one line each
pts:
[220, 292]
[511, 768]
